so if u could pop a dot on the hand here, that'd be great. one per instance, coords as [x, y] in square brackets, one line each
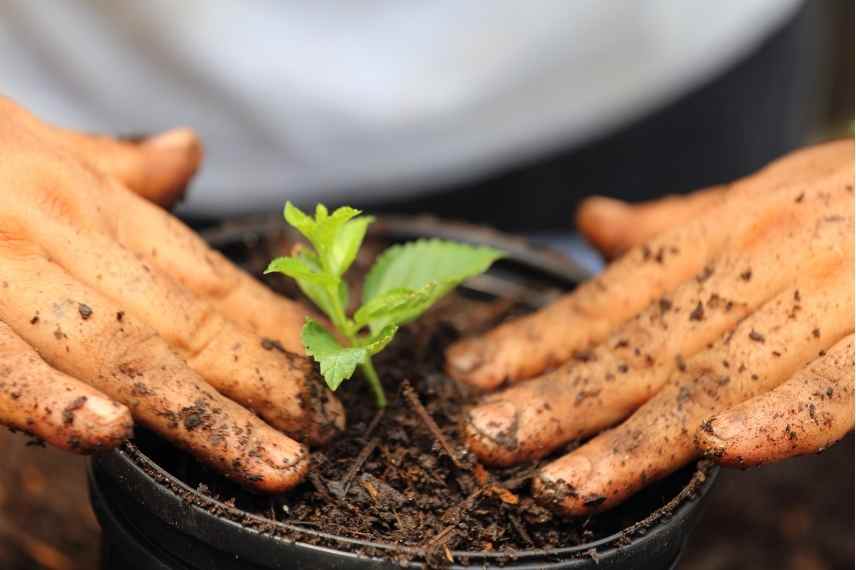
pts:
[729, 334]
[110, 309]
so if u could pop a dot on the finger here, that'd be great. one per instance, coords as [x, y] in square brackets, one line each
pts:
[54, 407]
[282, 387]
[806, 414]
[614, 226]
[526, 347]
[602, 386]
[166, 243]
[85, 335]
[158, 168]
[765, 350]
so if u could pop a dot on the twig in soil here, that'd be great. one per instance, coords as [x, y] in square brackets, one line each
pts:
[365, 452]
[319, 485]
[413, 400]
[448, 553]
[440, 537]
[521, 530]
[519, 480]
[453, 513]
[481, 474]
[345, 482]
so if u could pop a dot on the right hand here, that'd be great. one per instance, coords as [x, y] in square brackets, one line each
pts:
[726, 330]
[112, 309]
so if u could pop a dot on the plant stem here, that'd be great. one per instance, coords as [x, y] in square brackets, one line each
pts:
[340, 321]
[374, 382]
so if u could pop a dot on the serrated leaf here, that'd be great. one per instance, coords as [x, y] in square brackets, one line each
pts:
[415, 265]
[347, 243]
[317, 292]
[397, 306]
[299, 220]
[304, 269]
[329, 238]
[378, 342]
[337, 362]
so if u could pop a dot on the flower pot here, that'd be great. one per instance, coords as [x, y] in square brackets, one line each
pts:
[153, 519]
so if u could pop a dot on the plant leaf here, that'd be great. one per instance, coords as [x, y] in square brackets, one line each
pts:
[378, 342]
[299, 221]
[347, 243]
[298, 269]
[337, 362]
[320, 212]
[328, 238]
[396, 306]
[316, 291]
[437, 264]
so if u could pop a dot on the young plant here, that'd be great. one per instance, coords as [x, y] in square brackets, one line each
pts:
[403, 283]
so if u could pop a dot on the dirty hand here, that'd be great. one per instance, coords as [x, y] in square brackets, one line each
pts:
[726, 330]
[110, 309]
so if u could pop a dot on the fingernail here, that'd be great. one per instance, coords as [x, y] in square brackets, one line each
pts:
[173, 140]
[724, 429]
[104, 412]
[496, 421]
[287, 454]
[283, 464]
[466, 357]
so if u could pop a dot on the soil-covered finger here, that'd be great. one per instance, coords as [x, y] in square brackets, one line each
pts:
[54, 407]
[281, 386]
[169, 245]
[84, 334]
[614, 226]
[764, 350]
[532, 344]
[808, 413]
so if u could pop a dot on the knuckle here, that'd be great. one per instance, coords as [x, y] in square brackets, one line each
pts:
[128, 353]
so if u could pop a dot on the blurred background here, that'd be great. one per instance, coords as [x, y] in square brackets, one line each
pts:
[507, 116]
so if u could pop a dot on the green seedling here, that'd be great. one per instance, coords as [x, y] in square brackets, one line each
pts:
[403, 283]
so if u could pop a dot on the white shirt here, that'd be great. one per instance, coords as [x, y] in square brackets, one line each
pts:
[321, 100]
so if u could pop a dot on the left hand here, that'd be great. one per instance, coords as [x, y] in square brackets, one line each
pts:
[725, 330]
[111, 310]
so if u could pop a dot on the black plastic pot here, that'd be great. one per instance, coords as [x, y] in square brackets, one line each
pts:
[152, 520]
